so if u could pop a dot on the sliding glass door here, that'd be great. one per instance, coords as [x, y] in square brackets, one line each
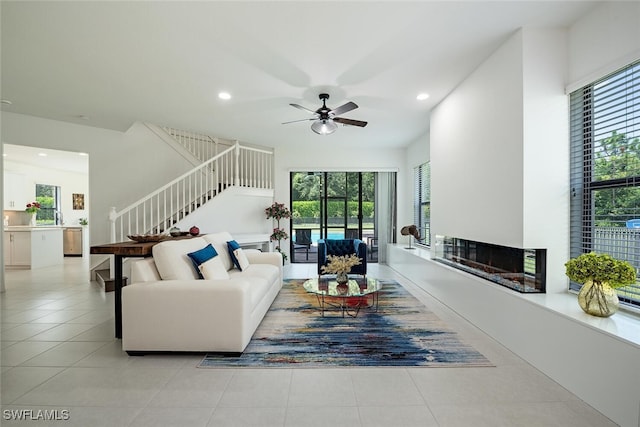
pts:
[333, 205]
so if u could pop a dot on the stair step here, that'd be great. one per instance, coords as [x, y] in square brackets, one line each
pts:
[104, 279]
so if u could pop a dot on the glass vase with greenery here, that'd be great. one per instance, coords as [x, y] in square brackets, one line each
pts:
[600, 275]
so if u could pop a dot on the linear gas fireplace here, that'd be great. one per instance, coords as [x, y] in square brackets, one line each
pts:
[523, 270]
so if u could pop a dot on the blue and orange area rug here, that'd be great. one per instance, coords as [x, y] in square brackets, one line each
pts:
[402, 332]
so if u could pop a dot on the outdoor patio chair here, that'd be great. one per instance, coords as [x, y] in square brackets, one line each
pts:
[302, 240]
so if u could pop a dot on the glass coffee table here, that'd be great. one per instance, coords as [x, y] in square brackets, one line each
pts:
[349, 298]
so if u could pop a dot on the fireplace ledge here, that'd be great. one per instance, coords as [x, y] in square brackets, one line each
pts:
[624, 325]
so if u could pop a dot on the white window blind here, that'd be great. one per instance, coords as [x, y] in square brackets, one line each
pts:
[422, 201]
[605, 170]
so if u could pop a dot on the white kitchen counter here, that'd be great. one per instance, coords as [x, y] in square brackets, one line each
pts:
[32, 247]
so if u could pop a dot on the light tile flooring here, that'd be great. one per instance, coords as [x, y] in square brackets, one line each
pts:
[59, 354]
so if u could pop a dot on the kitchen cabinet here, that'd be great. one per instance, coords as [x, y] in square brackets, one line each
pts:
[32, 247]
[17, 247]
[15, 196]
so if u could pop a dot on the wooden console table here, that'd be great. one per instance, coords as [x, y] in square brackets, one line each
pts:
[120, 251]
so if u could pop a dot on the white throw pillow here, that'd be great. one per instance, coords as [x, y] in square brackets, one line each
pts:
[219, 242]
[213, 269]
[242, 259]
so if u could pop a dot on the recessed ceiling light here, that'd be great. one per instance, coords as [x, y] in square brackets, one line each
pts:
[6, 102]
[422, 96]
[83, 154]
[224, 95]
[82, 117]
[42, 154]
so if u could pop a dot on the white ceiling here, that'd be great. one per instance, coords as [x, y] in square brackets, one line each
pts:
[67, 161]
[108, 64]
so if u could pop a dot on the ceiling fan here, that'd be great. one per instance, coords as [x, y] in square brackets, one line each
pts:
[326, 118]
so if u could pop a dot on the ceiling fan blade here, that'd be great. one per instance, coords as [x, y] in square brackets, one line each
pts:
[344, 108]
[303, 108]
[300, 120]
[349, 122]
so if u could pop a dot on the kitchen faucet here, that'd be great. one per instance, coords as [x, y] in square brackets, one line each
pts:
[59, 215]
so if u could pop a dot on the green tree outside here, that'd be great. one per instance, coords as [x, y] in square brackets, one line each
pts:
[616, 157]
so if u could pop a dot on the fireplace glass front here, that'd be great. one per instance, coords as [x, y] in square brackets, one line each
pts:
[523, 270]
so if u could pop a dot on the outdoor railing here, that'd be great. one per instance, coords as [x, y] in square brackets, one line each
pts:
[624, 244]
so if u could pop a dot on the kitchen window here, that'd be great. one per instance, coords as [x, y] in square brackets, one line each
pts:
[50, 206]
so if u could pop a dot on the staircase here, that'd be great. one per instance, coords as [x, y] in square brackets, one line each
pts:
[157, 212]
[202, 147]
[224, 164]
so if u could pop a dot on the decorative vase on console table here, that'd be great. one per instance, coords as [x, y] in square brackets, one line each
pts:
[32, 220]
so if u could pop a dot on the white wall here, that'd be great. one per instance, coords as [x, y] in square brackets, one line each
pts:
[603, 41]
[477, 153]
[237, 210]
[122, 166]
[545, 142]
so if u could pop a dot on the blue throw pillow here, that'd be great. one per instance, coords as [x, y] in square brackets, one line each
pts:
[232, 245]
[201, 256]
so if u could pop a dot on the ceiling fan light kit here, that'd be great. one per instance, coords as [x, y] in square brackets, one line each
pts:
[326, 118]
[324, 127]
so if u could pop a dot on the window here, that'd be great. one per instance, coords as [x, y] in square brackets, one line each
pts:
[422, 201]
[49, 198]
[605, 171]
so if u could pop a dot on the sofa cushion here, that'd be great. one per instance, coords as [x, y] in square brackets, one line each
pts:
[258, 286]
[213, 269]
[266, 271]
[172, 261]
[219, 242]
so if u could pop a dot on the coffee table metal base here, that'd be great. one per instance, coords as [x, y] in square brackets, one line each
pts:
[348, 305]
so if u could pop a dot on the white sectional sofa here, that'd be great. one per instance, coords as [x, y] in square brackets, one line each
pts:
[167, 307]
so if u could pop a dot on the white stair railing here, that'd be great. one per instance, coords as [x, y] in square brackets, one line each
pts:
[201, 146]
[157, 212]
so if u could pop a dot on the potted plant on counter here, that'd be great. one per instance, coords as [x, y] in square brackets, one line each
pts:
[600, 275]
[32, 208]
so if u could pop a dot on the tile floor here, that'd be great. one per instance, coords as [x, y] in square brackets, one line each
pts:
[59, 354]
